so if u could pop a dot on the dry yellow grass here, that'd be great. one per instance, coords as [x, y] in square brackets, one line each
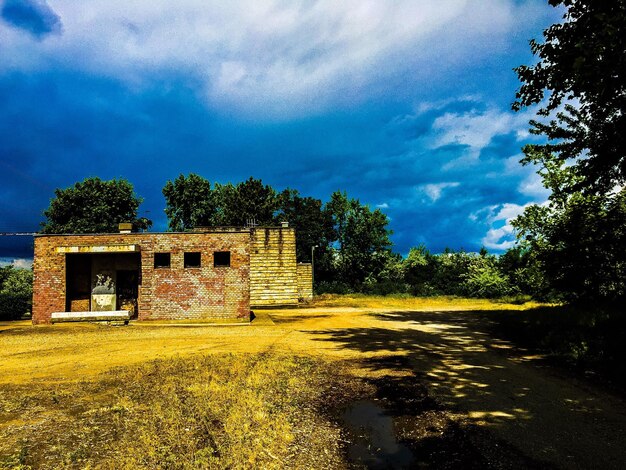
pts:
[75, 351]
[417, 303]
[226, 411]
[254, 395]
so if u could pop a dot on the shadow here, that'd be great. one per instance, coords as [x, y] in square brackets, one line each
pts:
[545, 419]
[280, 319]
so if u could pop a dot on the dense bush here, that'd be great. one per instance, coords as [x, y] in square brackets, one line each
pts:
[16, 291]
[514, 274]
[483, 279]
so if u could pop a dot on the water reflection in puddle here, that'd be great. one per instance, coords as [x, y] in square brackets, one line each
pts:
[373, 441]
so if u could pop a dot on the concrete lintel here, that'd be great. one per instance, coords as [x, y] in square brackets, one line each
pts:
[98, 249]
[121, 315]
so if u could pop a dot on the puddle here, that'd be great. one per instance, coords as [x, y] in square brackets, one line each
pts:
[373, 442]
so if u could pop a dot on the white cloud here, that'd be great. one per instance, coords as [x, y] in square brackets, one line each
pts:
[502, 236]
[26, 263]
[434, 191]
[533, 187]
[475, 130]
[270, 57]
[384, 205]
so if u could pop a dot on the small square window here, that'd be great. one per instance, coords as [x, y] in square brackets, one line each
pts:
[192, 260]
[162, 260]
[221, 259]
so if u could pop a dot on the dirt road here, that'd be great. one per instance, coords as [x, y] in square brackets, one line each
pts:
[550, 419]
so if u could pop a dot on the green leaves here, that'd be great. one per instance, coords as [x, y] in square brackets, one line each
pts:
[579, 81]
[189, 202]
[16, 291]
[580, 75]
[93, 206]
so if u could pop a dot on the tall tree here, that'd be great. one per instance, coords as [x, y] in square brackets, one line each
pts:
[16, 291]
[189, 203]
[93, 206]
[581, 74]
[362, 237]
[249, 200]
[580, 246]
[313, 224]
[581, 85]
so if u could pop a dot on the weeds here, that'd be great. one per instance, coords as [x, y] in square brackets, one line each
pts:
[231, 411]
[587, 338]
[406, 301]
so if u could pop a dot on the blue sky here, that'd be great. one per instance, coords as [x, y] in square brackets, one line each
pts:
[404, 104]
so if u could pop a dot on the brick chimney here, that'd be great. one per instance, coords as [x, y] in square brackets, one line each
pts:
[125, 227]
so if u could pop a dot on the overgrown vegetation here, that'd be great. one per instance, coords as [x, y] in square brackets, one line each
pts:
[16, 290]
[588, 338]
[353, 251]
[578, 82]
[231, 411]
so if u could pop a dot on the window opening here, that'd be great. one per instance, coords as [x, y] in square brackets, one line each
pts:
[221, 259]
[162, 260]
[192, 259]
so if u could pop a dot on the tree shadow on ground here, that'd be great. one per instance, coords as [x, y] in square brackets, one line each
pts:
[548, 419]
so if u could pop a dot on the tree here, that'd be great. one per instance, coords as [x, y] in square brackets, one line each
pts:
[580, 246]
[16, 291]
[521, 265]
[575, 238]
[362, 237]
[93, 206]
[249, 200]
[581, 72]
[312, 222]
[189, 203]
[418, 269]
[484, 280]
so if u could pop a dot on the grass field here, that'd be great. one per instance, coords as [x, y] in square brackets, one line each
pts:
[217, 411]
[265, 395]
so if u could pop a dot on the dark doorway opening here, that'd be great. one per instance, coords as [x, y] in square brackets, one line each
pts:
[128, 290]
[91, 276]
[78, 282]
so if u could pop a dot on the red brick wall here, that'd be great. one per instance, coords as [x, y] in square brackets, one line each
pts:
[174, 293]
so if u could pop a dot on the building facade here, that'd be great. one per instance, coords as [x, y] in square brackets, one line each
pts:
[209, 274]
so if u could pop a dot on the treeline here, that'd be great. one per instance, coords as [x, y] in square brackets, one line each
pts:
[513, 274]
[351, 242]
[16, 292]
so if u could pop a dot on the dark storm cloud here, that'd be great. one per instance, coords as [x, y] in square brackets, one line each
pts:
[432, 147]
[34, 16]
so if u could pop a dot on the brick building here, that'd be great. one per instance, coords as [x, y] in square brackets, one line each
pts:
[209, 274]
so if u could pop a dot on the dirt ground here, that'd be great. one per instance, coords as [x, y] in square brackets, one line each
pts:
[543, 416]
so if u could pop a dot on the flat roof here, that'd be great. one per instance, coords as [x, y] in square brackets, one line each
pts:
[194, 232]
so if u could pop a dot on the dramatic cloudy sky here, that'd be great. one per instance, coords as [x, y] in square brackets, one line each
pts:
[403, 104]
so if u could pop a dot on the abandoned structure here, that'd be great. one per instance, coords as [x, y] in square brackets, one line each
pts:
[215, 274]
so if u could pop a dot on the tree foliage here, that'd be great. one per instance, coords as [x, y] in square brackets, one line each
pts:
[313, 224]
[248, 200]
[93, 206]
[189, 203]
[581, 245]
[575, 239]
[16, 291]
[580, 74]
[362, 238]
